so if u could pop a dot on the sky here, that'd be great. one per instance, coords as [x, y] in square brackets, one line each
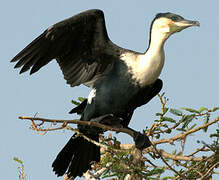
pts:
[190, 73]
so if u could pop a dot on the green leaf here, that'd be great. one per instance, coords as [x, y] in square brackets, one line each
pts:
[158, 171]
[17, 160]
[81, 99]
[174, 152]
[203, 109]
[167, 177]
[168, 131]
[190, 110]
[215, 109]
[192, 126]
[214, 135]
[157, 136]
[188, 117]
[168, 119]
[159, 114]
[181, 129]
[187, 120]
[162, 94]
[176, 112]
[75, 102]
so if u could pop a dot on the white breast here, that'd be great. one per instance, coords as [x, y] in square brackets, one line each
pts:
[146, 68]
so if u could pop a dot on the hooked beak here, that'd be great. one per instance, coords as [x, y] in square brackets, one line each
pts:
[186, 23]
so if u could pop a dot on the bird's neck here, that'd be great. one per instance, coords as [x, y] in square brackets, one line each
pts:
[149, 65]
[146, 68]
[157, 40]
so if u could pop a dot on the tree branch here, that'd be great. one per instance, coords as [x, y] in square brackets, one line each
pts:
[123, 146]
[194, 166]
[153, 149]
[124, 130]
[88, 123]
[183, 135]
[209, 170]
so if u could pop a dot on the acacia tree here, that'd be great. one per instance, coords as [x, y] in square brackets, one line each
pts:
[167, 158]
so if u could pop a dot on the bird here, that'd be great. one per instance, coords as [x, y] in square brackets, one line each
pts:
[120, 79]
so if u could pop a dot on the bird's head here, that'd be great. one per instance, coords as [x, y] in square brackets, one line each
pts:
[169, 23]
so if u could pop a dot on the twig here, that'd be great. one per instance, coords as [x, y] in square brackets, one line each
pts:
[182, 135]
[145, 159]
[34, 126]
[170, 128]
[209, 170]
[197, 151]
[88, 123]
[166, 162]
[124, 130]
[123, 146]
[161, 151]
[163, 102]
[181, 158]
[85, 137]
[196, 165]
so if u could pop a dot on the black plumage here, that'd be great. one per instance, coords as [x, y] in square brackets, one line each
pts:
[121, 79]
[77, 43]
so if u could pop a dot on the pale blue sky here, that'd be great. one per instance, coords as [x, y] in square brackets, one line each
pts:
[190, 74]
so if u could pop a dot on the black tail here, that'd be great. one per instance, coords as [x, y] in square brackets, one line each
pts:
[76, 156]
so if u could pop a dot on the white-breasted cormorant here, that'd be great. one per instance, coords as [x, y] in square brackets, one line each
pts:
[121, 79]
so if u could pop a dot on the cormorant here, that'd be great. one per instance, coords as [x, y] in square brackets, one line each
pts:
[121, 79]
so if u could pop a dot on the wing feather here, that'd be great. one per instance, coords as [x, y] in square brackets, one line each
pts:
[78, 44]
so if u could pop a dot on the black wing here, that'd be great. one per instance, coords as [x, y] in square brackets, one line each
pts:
[142, 98]
[78, 44]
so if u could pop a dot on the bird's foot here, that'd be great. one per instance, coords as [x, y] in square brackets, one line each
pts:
[141, 140]
[108, 119]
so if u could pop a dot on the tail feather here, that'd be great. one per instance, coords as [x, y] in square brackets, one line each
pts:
[76, 156]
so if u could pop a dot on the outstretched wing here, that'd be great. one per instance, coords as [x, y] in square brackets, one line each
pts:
[78, 44]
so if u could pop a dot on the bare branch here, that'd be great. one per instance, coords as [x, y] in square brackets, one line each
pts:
[203, 149]
[181, 158]
[88, 123]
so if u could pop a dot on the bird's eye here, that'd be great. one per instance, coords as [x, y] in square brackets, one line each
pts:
[174, 18]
